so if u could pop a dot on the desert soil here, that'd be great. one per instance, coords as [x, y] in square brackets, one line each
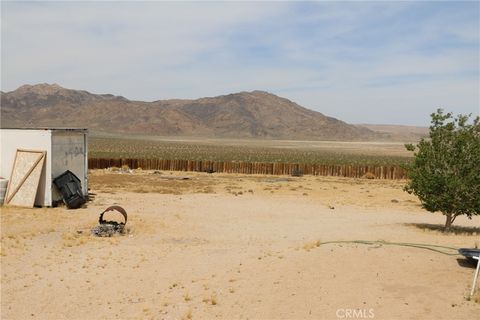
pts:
[231, 247]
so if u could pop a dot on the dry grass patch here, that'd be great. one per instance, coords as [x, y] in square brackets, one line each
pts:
[311, 245]
[187, 315]
[148, 183]
[71, 239]
[212, 300]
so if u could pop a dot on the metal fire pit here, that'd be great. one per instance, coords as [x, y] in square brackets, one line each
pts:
[109, 228]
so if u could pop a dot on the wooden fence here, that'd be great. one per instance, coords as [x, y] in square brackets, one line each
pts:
[351, 171]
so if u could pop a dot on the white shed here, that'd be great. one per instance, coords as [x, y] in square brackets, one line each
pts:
[66, 149]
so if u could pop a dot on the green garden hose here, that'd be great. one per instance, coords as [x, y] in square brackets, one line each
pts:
[431, 247]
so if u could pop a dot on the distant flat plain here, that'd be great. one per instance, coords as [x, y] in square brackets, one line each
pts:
[249, 150]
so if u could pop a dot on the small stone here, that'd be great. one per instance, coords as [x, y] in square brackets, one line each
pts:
[108, 229]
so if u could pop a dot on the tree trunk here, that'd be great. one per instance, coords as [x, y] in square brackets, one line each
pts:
[449, 221]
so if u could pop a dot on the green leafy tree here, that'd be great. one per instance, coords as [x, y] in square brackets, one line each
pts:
[445, 172]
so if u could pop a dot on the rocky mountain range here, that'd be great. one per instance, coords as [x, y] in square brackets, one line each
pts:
[256, 114]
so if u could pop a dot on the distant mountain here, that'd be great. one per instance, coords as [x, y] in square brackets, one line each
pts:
[254, 114]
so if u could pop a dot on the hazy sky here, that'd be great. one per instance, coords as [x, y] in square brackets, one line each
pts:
[362, 62]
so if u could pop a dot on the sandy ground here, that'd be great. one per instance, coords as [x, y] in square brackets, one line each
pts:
[230, 247]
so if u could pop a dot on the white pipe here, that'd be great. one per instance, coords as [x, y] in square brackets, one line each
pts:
[475, 277]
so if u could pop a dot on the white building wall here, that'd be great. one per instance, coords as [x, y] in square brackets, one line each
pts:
[39, 140]
[66, 150]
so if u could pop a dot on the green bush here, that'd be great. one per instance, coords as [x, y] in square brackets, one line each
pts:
[445, 173]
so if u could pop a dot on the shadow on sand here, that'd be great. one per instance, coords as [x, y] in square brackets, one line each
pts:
[458, 230]
[467, 263]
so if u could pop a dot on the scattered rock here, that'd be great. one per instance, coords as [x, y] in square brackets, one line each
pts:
[108, 229]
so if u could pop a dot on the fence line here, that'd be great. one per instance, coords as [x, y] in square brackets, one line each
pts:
[350, 171]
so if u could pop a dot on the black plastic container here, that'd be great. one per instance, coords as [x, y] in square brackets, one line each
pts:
[469, 253]
[71, 189]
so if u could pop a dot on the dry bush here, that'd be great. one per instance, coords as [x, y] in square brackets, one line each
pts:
[187, 315]
[212, 300]
[311, 245]
[368, 175]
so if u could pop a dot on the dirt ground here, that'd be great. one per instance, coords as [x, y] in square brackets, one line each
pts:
[234, 247]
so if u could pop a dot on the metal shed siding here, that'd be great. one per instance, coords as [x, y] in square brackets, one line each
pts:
[69, 153]
[66, 150]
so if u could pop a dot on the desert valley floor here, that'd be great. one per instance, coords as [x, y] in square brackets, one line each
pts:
[235, 247]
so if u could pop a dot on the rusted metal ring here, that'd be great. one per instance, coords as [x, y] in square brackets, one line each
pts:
[113, 208]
